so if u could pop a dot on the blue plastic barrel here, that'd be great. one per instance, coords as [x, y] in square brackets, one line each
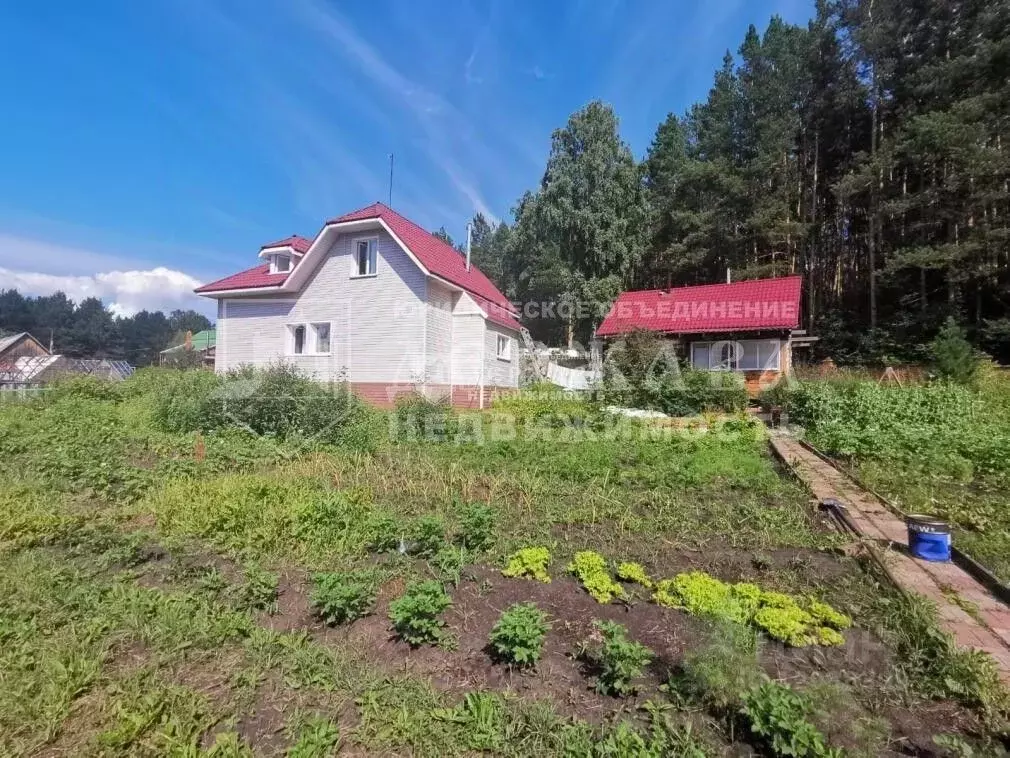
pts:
[928, 537]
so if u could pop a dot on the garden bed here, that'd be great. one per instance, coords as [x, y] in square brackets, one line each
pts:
[198, 577]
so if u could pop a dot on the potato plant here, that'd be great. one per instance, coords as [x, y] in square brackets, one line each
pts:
[416, 616]
[340, 597]
[518, 636]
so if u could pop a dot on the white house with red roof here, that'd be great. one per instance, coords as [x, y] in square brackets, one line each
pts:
[376, 301]
[748, 326]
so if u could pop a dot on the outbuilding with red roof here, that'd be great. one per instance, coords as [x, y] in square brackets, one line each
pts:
[749, 326]
[376, 301]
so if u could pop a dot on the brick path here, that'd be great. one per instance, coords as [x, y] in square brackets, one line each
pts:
[986, 627]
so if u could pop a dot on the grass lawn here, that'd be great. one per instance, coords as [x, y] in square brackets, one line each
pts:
[938, 449]
[227, 593]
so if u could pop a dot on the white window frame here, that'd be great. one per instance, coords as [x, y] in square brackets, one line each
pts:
[275, 264]
[293, 339]
[311, 340]
[314, 327]
[373, 258]
[719, 365]
[506, 353]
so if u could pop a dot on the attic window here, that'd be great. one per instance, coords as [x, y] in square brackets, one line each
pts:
[364, 257]
[281, 264]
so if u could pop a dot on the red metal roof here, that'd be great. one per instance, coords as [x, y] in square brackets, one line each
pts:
[754, 305]
[297, 243]
[252, 278]
[439, 258]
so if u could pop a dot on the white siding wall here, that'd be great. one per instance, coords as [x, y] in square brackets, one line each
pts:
[378, 323]
[438, 358]
[500, 373]
[467, 343]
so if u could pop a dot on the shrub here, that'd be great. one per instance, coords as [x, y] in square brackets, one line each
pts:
[386, 533]
[276, 402]
[720, 672]
[429, 535]
[953, 356]
[777, 717]
[529, 562]
[620, 660]
[341, 597]
[634, 572]
[415, 615]
[590, 568]
[418, 418]
[476, 526]
[518, 636]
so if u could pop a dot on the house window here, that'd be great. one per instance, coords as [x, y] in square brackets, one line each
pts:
[298, 339]
[736, 355]
[281, 264]
[364, 257]
[504, 348]
[322, 332]
[309, 339]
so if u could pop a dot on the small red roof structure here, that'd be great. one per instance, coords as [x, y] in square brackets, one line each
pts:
[752, 305]
[297, 243]
[437, 257]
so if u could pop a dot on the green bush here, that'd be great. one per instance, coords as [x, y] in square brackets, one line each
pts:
[721, 671]
[476, 526]
[386, 533]
[341, 597]
[276, 402]
[777, 717]
[84, 387]
[953, 356]
[642, 371]
[620, 660]
[416, 615]
[518, 636]
[418, 418]
[530, 562]
[428, 536]
[590, 568]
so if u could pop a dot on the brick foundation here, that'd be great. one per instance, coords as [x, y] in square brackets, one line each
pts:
[384, 395]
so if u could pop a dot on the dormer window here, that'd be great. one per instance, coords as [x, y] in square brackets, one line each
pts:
[280, 264]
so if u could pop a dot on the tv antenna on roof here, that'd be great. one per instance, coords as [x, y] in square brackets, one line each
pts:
[390, 203]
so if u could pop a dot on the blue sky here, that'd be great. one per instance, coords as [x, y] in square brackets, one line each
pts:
[148, 146]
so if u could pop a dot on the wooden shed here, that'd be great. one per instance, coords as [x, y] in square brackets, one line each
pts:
[748, 326]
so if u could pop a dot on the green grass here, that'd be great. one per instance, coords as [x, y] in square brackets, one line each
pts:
[140, 567]
[940, 449]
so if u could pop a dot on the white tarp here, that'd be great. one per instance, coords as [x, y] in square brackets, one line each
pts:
[572, 378]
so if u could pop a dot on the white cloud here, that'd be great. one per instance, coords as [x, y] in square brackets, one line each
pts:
[124, 292]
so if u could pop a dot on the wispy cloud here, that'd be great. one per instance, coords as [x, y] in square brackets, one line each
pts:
[447, 135]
